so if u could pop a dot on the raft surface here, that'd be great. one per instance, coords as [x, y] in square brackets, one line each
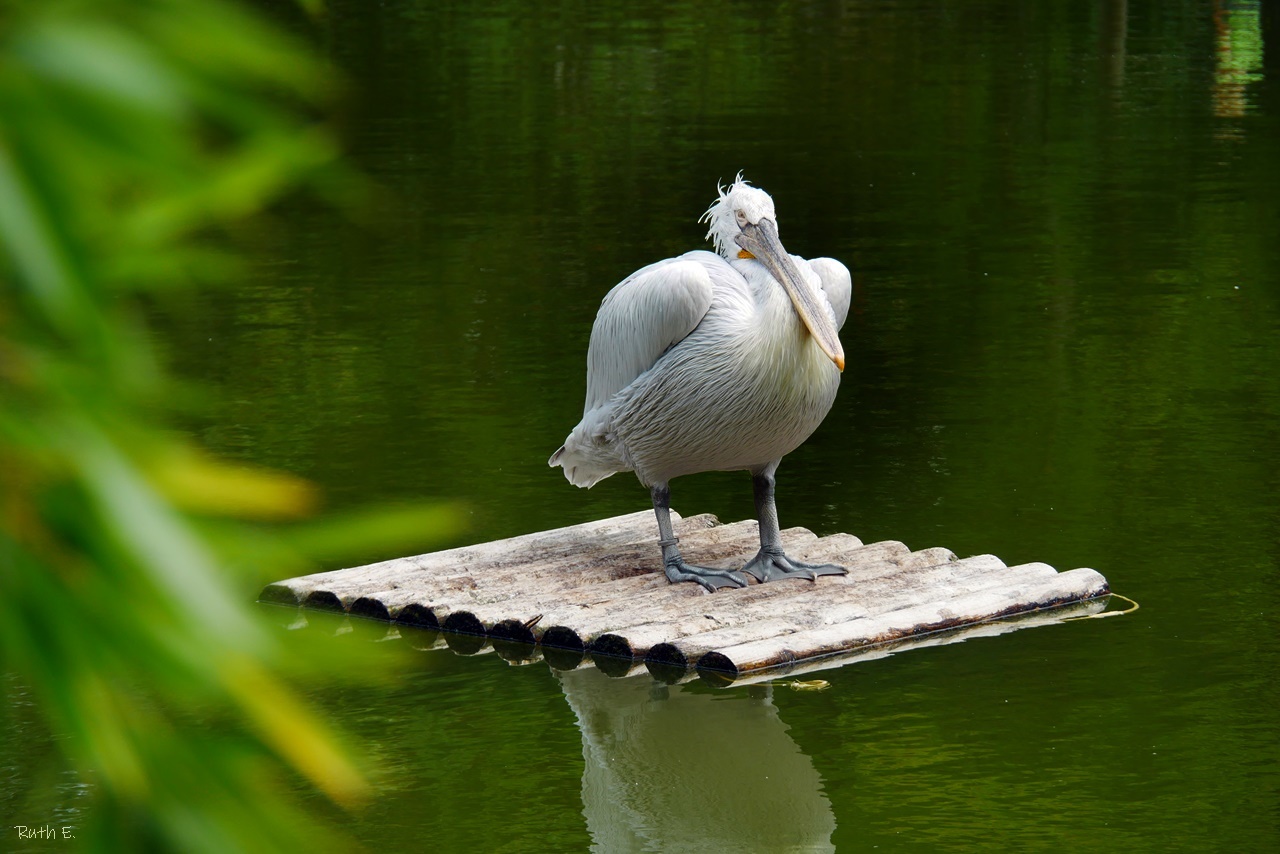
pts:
[597, 589]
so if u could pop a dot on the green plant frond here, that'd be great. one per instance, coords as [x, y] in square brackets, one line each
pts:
[134, 130]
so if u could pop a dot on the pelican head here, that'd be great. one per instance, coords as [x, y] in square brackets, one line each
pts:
[739, 204]
[743, 225]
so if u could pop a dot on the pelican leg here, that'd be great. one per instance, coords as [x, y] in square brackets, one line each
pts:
[673, 563]
[771, 564]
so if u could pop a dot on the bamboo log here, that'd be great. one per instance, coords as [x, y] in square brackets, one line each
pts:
[805, 667]
[419, 616]
[861, 560]
[1032, 591]
[390, 604]
[483, 560]
[574, 591]
[573, 626]
[468, 567]
[828, 600]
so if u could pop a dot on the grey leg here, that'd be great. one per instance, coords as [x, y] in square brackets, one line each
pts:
[673, 563]
[771, 564]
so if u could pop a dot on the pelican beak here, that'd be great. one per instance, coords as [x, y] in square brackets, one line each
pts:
[761, 242]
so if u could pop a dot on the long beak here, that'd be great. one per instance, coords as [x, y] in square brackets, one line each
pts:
[762, 242]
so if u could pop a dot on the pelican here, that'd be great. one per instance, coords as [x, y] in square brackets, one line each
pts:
[721, 361]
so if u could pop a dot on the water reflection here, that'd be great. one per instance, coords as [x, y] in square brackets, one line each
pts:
[680, 769]
[1113, 33]
[1237, 54]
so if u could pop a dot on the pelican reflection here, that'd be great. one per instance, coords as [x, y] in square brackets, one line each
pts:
[681, 769]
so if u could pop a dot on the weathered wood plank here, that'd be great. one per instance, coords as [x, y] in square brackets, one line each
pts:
[808, 666]
[1031, 591]
[683, 650]
[461, 572]
[805, 603]
[574, 626]
[623, 577]
[461, 565]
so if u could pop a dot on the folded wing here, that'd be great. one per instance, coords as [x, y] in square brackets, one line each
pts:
[645, 315]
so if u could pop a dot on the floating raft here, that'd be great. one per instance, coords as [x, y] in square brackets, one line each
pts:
[597, 590]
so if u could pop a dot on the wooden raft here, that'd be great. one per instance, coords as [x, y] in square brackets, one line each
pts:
[597, 590]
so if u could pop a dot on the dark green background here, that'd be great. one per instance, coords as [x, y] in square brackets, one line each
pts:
[1063, 221]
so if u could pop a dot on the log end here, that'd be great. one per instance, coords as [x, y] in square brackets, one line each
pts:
[613, 646]
[418, 617]
[464, 623]
[667, 663]
[513, 631]
[324, 600]
[716, 667]
[370, 609]
[279, 594]
[612, 654]
[667, 655]
[564, 638]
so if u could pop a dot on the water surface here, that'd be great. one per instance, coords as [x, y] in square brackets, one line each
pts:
[1063, 221]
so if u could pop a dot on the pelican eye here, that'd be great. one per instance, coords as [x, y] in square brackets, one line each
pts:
[741, 216]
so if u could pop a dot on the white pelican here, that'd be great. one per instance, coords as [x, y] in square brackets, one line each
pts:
[714, 362]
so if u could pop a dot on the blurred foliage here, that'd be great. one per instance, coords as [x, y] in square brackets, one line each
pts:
[134, 134]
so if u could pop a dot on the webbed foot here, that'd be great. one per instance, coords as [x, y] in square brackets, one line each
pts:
[712, 579]
[773, 565]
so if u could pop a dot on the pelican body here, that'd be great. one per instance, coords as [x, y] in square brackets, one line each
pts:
[714, 361]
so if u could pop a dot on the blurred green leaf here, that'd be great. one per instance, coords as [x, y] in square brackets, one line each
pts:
[392, 529]
[38, 252]
[103, 62]
[135, 135]
[197, 482]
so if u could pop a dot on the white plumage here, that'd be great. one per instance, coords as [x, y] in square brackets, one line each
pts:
[713, 362]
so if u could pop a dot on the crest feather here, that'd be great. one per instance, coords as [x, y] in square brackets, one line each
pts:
[723, 224]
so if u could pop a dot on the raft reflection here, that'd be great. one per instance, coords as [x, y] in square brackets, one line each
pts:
[674, 768]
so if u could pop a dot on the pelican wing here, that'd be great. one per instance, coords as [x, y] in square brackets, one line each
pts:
[644, 316]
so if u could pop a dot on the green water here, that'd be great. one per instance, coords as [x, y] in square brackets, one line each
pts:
[1063, 222]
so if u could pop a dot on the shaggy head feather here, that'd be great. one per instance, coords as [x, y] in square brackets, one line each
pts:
[738, 204]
